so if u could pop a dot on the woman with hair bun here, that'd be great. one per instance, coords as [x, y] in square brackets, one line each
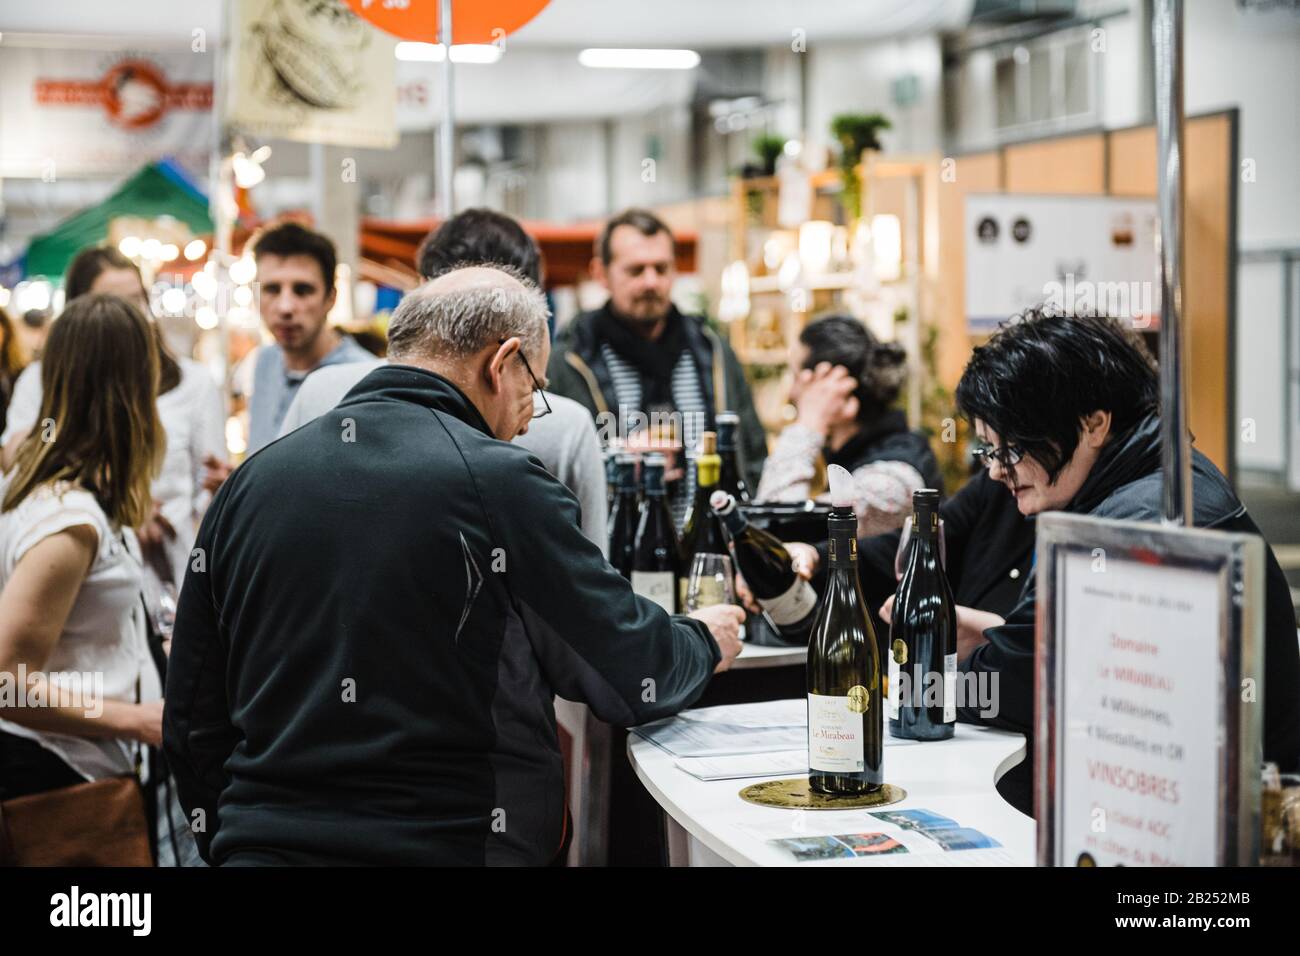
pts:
[844, 393]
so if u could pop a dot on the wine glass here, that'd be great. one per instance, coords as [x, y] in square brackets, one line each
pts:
[164, 610]
[711, 582]
[904, 548]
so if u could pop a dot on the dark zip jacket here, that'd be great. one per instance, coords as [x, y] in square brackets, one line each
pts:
[1126, 484]
[578, 371]
[366, 654]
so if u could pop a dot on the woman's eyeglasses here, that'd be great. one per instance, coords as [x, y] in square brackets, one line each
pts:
[1008, 456]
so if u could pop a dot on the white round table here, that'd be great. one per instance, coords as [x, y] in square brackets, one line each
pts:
[709, 824]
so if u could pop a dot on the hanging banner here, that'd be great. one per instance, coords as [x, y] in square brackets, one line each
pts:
[88, 112]
[311, 70]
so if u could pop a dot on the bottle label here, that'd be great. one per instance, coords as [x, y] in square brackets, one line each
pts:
[843, 551]
[949, 688]
[792, 606]
[658, 586]
[835, 730]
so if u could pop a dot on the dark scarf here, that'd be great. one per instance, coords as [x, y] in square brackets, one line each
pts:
[654, 360]
[1123, 459]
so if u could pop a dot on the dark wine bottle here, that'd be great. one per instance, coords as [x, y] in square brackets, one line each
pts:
[789, 600]
[729, 479]
[702, 532]
[923, 635]
[845, 717]
[656, 555]
[623, 516]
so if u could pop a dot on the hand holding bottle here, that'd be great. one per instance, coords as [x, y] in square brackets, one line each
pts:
[804, 559]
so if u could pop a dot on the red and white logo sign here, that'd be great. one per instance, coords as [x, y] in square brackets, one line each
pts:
[134, 93]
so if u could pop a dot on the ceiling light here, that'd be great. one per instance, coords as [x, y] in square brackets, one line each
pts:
[639, 59]
[436, 52]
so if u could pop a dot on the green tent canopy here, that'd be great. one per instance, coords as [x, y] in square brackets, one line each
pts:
[159, 189]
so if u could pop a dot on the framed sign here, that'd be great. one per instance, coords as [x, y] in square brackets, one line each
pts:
[1074, 253]
[1149, 694]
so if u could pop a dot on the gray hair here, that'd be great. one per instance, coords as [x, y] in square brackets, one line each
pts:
[459, 322]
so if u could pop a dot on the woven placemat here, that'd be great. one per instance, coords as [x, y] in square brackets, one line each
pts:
[795, 794]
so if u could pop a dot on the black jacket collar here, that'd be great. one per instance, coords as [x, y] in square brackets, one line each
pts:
[417, 386]
[1115, 483]
[1123, 459]
[892, 422]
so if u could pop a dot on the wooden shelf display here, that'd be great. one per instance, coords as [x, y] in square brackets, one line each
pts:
[903, 187]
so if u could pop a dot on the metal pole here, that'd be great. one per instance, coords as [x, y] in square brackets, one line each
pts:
[220, 185]
[1175, 453]
[447, 134]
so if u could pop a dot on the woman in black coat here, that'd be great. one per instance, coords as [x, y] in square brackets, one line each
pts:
[1086, 439]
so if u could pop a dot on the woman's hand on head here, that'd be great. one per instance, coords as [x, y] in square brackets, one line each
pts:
[825, 397]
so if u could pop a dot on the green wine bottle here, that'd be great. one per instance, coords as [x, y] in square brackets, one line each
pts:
[845, 717]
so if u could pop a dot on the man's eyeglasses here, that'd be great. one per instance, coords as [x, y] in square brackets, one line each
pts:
[541, 406]
[1008, 456]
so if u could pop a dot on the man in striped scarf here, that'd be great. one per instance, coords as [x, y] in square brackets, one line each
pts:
[638, 362]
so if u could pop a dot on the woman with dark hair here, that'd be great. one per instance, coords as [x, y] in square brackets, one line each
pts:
[1066, 410]
[12, 361]
[844, 394]
[189, 404]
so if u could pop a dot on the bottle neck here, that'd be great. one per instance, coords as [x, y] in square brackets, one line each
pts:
[843, 537]
[708, 469]
[925, 523]
[654, 484]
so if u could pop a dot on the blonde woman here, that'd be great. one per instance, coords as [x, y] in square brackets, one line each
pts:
[70, 566]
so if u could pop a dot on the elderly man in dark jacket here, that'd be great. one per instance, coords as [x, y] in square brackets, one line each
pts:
[383, 603]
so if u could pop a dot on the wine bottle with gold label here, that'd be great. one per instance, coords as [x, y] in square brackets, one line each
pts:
[845, 717]
[923, 635]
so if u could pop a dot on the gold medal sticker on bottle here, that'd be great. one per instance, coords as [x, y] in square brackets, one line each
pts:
[859, 699]
[900, 652]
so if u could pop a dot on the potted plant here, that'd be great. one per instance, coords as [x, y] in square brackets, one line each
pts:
[768, 148]
[855, 132]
